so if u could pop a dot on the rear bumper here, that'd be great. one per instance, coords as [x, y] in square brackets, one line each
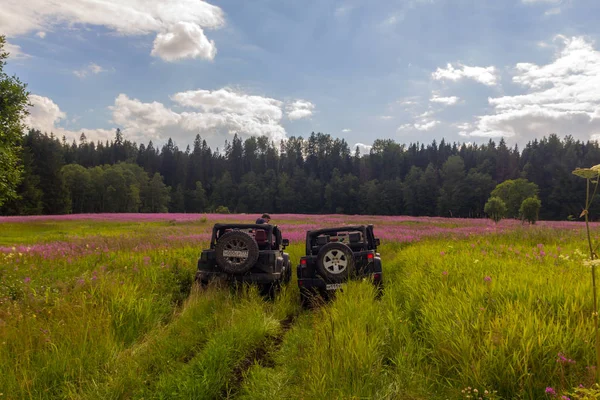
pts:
[319, 284]
[207, 276]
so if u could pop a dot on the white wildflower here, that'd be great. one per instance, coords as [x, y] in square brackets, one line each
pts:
[592, 263]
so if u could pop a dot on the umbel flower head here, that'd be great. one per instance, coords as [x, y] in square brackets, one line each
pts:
[588, 173]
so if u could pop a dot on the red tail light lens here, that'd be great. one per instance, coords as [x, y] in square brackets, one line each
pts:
[370, 256]
[376, 277]
[303, 261]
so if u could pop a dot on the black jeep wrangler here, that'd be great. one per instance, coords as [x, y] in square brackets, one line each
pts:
[251, 253]
[334, 255]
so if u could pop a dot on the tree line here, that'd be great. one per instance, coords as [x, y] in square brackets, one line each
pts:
[319, 174]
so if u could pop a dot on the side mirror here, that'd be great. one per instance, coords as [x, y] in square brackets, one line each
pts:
[377, 242]
[285, 242]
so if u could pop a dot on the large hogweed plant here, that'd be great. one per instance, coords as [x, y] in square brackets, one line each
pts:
[592, 177]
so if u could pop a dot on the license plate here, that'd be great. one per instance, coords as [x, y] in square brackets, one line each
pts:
[235, 253]
[333, 286]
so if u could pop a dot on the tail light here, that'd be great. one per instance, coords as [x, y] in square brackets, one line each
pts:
[370, 256]
[303, 261]
[377, 277]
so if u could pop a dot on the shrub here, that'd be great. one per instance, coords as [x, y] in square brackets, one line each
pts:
[222, 210]
[495, 208]
[530, 209]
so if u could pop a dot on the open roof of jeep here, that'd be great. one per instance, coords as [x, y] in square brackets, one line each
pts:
[366, 240]
[273, 233]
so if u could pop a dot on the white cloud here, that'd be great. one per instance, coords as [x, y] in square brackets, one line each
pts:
[464, 126]
[562, 97]
[426, 126]
[45, 115]
[346, 130]
[15, 51]
[222, 111]
[126, 17]
[184, 40]
[486, 75]
[449, 101]
[385, 117]
[363, 148]
[299, 109]
[91, 68]
[423, 126]
[41, 34]
[553, 11]
[343, 10]
[209, 113]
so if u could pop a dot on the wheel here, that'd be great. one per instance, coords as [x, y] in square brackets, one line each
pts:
[236, 252]
[335, 262]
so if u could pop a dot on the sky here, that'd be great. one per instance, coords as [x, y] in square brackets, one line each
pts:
[408, 70]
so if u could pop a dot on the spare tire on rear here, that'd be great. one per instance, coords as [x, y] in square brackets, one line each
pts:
[236, 252]
[335, 262]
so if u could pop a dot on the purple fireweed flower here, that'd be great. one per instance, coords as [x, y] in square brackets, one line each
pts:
[27, 280]
[442, 253]
[550, 391]
[487, 278]
[540, 246]
[81, 281]
[444, 273]
[562, 359]
[565, 398]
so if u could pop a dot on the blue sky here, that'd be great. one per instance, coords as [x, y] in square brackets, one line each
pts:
[411, 70]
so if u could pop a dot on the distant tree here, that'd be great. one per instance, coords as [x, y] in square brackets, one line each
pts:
[222, 210]
[29, 199]
[14, 100]
[495, 208]
[452, 193]
[513, 192]
[478, 188]
[530, 209]
[177, 203]
[200, 202]
[224, 192]
[79, 185]
[155, 196]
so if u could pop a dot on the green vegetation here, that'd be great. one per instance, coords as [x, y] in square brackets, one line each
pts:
[530, 209]
[317, 174]
[504, 313]
[14, 100]
[495, 208]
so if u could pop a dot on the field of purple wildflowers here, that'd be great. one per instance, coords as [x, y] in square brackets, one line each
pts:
[104, 306]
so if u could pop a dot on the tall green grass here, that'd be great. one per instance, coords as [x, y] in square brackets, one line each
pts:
[487, 313]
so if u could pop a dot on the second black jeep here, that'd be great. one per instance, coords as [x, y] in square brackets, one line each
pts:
[246, 253]
[334, 255]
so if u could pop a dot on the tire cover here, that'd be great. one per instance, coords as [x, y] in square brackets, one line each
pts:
[236, 252]
[335, 262]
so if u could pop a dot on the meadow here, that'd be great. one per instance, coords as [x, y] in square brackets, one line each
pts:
[105, 307]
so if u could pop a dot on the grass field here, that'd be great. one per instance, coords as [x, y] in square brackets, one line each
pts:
[104, 307]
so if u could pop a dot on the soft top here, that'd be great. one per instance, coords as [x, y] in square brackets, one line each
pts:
[245, 226]
[338, 229]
